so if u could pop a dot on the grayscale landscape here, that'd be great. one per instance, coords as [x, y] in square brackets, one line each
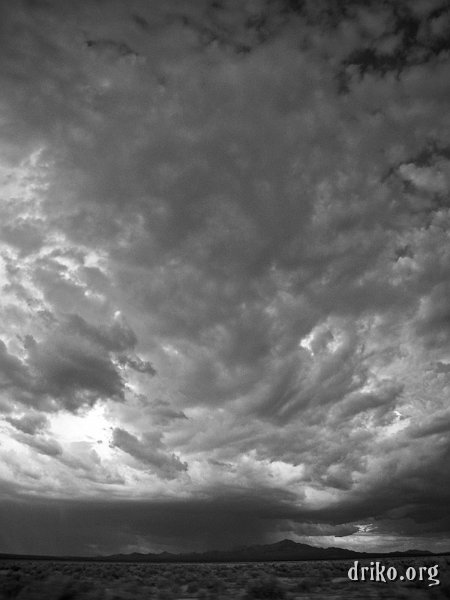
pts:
[224, 297]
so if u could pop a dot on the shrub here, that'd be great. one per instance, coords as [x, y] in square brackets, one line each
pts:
[165, 594]
[192, 587]
[305, 584]
[265, 588]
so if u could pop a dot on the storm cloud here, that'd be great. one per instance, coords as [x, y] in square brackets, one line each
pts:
[224, 264]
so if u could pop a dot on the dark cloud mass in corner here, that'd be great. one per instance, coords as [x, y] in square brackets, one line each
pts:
[224, 271]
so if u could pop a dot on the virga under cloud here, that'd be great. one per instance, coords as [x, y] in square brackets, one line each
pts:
[225, 270]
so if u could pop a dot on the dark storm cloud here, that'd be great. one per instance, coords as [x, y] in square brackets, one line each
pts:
[29, 423]
[41, 444]
[433, 321]
[73, 365]
[412, 503]
[110, 47]
[163, 412]
[307, 382]
[435, 424]
[12, 369]
[150, 451]
[58, 368]
[252, 200]
[72, 371]
[408, 495]
[84, 459]
[116, 338]
[137, 364]
[100, 526]
[410, 38]
[383, 397]
[224, 519]
[318, 529]
[27, 237]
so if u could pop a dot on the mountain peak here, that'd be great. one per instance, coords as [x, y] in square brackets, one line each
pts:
[286, 543]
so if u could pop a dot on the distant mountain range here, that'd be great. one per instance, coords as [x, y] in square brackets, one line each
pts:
[286, 550]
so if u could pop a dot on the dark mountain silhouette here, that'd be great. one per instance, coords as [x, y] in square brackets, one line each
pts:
[285, 550]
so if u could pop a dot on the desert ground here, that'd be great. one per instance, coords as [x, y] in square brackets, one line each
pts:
[73, 580]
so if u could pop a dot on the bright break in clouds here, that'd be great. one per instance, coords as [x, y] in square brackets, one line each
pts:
[224, 270]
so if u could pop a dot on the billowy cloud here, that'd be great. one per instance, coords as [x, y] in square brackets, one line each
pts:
[224, 264]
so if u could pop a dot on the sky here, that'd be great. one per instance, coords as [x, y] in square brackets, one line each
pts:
[225, 274]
